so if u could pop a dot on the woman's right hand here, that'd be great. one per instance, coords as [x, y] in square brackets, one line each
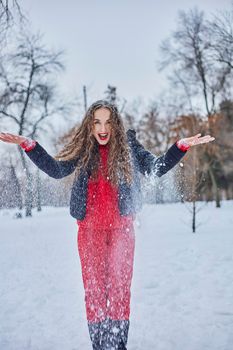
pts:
[10, 138]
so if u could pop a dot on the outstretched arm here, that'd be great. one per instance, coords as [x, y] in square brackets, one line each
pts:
[170, 159]
[52, 167]
[148, 163]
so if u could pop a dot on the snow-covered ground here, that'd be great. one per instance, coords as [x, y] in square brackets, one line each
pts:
[182, 290]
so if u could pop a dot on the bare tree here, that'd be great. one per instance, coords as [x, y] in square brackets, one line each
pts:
[221, 28]
[189, 52]
[199, 73]
[112, 96]
[191, 175]
[10, 184]
[8, 9]
[28, 97]
[10, 12]
[150, 131]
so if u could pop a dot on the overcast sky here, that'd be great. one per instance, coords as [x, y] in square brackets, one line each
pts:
[111, 41]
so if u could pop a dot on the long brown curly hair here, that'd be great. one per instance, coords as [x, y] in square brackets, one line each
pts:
[84, 147]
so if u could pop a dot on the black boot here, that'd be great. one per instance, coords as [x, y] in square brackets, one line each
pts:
[123, 326]
[115, 334]
[96, 335]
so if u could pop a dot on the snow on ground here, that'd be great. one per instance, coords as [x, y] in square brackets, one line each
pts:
[182, 290]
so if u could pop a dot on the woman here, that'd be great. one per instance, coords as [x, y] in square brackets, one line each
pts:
[105, 197]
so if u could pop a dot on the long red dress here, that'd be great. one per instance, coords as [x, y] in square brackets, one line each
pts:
[106, 243]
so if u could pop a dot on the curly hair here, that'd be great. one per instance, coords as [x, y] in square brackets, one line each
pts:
[84, 147]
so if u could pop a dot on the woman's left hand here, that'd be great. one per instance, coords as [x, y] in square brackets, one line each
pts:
[197, 140]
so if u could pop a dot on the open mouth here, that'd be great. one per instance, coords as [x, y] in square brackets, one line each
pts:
[103, 136]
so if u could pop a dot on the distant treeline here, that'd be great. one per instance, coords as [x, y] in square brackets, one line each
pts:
[199, 57]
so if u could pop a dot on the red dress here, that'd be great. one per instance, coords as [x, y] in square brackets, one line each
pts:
[106, 243]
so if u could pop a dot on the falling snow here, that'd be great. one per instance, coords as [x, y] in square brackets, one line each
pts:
[182, 288]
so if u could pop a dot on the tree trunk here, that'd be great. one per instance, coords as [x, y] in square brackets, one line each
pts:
[38, 190]
[17, 189]
[28, 195]
[194, 217]
[29, 191]
[215, 187]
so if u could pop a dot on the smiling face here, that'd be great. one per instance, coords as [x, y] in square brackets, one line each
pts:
[102, 125]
